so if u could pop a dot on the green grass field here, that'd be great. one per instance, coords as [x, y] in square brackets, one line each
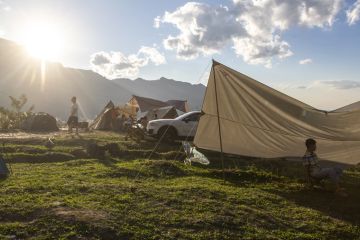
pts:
[125, 196]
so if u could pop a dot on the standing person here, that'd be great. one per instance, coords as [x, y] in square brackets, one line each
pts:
[73, 118]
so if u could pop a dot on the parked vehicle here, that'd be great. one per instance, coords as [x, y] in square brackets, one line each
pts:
[182, 127]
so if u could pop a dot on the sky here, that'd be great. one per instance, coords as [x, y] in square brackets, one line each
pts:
[308, 49]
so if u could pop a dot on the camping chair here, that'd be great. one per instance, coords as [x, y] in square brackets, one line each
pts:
[83, 125]
[135, 132]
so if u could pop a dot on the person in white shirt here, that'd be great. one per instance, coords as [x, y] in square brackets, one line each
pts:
[73, 118]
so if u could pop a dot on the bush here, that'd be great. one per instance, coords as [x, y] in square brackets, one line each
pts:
[12, 118]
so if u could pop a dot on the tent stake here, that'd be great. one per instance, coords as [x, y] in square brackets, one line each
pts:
[219, 127]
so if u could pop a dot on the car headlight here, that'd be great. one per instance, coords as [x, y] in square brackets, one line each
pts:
[151, 124]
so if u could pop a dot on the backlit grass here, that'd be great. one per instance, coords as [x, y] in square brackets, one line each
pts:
[131, 197]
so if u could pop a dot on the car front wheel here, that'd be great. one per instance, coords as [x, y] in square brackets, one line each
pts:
[167, 134]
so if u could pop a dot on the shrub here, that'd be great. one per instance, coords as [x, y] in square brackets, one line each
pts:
[13, 117]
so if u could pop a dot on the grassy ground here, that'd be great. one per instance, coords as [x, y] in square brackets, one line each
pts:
[60, 196]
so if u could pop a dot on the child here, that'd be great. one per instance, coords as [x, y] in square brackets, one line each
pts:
[310, 161]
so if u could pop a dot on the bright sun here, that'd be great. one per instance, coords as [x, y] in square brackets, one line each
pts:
[43, 41]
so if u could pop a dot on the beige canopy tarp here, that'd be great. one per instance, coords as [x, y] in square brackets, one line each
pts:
[258, 121]
[351, 107]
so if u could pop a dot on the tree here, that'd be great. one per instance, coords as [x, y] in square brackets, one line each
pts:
[18, 104]
[12, 118]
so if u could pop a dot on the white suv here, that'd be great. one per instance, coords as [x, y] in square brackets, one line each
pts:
[182, 127]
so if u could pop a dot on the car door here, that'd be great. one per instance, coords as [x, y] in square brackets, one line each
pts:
[190, 124]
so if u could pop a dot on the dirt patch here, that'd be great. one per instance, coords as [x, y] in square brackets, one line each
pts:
[82, 215]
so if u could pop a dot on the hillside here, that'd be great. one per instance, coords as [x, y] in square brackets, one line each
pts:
[21, 74]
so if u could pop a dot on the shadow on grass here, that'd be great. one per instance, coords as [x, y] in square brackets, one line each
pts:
[243, 176]
[49, 157]
[142, 169]
[325, 201]
[278, 167]
[342, 208]
[240, 170]
[153, 145]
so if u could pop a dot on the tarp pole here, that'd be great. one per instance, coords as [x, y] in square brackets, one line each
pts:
[219, 127]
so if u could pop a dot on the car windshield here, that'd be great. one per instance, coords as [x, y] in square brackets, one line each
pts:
[181, 117]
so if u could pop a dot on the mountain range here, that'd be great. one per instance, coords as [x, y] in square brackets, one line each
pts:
[50, 86]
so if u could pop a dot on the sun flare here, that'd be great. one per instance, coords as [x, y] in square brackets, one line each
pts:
[43, 41]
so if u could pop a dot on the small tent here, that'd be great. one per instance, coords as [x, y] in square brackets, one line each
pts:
[106, 120]
[245, 117]
[40, 122]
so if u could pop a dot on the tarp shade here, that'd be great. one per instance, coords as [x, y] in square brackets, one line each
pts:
[146, 104]
[348, 108]
[181, 105]
[258, 121]
[162, 113]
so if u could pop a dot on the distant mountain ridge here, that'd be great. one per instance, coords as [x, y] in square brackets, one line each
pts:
[21, 74]
[165, 89]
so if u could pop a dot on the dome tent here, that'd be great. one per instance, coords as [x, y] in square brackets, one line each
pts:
[40, 122]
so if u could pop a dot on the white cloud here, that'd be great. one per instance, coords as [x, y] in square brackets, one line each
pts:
[344, 84]
[151, 54]
[157, 22]
[253, 27]
[320, 94]
[353, 13]
[333, 84]
[204, 30]
[305, 61]
[116, 64]
[4, 6]
[261, 51]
